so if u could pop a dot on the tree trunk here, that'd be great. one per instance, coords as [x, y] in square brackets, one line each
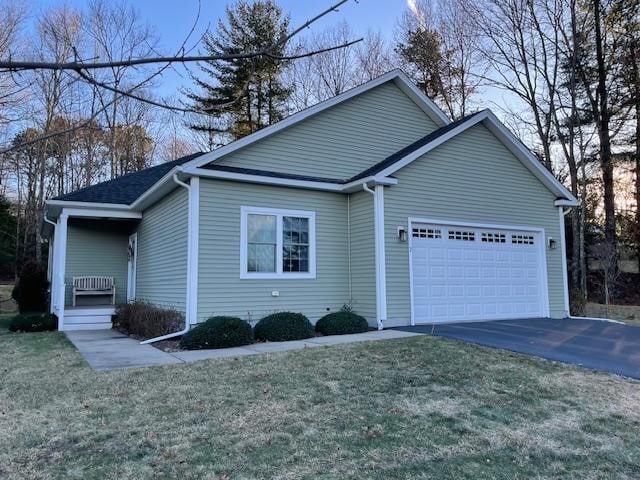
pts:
[603, 132]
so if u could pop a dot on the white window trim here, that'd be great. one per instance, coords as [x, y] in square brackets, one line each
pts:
[279, 213]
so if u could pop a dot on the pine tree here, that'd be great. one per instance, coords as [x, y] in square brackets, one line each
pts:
[255, 82]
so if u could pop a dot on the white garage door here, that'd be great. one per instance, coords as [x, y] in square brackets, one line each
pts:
[471, 273]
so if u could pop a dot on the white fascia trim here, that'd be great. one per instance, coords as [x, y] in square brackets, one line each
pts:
[278, 274]
[401, 80]
[565, 276]
[356, 185]
[101, 213]
[250, 178]
[566, 203]
[87, 205]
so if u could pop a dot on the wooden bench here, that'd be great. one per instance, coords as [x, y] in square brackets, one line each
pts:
[94, 286]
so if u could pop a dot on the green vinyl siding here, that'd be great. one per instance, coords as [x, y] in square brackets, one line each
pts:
[363, 273]
[220, 289]
[97, 248]
[473, 178]
[161, 276]
[341, 141]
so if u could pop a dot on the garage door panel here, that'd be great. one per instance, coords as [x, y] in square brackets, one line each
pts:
[475, 273]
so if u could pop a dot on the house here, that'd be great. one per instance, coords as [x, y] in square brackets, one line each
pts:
[373, 199]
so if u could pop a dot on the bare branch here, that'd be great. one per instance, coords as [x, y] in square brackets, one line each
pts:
[11, 65]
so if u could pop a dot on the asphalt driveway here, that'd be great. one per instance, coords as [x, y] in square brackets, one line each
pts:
[599, 345]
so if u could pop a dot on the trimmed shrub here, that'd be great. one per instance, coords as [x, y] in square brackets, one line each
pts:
[33, 322]
[218, 332]
[30, 291]
[145, 320]
[341, 323]
[283, 326]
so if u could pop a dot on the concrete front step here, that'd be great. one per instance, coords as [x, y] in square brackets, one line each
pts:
[88, 318]
[87, 326]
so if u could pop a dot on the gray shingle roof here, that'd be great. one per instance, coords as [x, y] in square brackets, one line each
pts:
[268, 173]
[127, 188]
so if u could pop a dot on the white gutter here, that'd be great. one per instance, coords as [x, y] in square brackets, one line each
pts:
[193, 192]
[381, 283]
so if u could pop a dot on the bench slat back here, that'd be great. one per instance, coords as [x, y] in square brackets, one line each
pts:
[93, 283]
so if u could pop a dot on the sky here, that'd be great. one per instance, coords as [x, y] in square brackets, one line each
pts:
[172, 20]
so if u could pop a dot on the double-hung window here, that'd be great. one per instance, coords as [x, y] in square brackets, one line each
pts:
[277, 243]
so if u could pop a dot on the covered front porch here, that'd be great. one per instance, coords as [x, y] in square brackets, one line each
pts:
[92, 266]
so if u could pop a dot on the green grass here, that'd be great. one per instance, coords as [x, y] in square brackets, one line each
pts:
[418, 408]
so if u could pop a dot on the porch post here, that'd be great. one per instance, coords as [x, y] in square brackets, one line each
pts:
[60, 258]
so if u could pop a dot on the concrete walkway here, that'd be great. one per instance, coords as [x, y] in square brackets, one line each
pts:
[109, 349]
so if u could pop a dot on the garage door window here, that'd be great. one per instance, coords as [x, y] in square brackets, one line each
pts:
[465, 235]
[426, 233]
[494, 237]
[522, 239]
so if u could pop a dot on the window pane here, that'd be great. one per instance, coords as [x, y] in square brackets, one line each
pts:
[261, 228]
[261, 258]
[261, 245]
[295, 248]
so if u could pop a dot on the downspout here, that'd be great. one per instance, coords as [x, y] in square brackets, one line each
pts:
[187, 321]
[378, 218]
[349, 249]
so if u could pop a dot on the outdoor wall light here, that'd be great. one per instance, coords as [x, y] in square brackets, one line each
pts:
[402, 234]
[552, 244]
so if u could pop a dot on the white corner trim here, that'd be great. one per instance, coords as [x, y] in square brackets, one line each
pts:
[399, 78]
[381, 270]
[193, 251]
[279, 213]
[379, 250]
[563, 249]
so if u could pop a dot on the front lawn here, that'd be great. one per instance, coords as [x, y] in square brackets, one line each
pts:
[414, 408]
